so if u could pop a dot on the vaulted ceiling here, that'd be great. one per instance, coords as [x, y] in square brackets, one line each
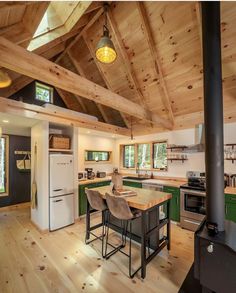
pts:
[159, 63]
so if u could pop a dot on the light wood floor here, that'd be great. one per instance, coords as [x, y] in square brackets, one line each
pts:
[61, 262]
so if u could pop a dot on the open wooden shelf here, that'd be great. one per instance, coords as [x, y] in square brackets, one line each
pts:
[231, 160]
[230, 145]
[177, 147]
[61, 150]
[175, 159]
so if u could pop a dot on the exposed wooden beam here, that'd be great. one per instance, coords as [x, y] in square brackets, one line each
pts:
[41, 113]
[33, 15]
[155, 58]
[22, 81]
[27, 63]
[77, 13]
[89, 24]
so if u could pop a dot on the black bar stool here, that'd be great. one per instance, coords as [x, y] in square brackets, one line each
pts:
[120, 209]
[97, 203]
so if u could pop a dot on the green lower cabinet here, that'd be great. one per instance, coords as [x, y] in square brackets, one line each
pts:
[132, 184]
[82, 195]
[230, 207]
[174, 202]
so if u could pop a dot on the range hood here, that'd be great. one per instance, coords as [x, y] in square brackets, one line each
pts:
[199, 142]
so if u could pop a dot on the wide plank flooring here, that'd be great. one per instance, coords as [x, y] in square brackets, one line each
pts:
[61, 262]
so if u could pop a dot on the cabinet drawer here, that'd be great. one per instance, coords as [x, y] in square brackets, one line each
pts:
[170, 189]
[132, 184]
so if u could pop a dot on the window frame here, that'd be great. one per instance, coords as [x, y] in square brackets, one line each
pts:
[151, 143]
[47, 87]
[123, 155]
[99, 161]
[6, 193]
[158, 169]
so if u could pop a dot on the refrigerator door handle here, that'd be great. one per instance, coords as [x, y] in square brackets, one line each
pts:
[57, 189]
[57, 200]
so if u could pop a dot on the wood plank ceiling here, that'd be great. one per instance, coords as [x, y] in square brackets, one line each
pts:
[159, 63]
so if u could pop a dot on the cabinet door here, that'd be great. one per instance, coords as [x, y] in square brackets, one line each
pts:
[132, 184]
[230, 212]
[174, 203]
[82, 200]
[82, 194]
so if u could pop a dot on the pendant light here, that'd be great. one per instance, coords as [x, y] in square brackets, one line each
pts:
[131, 129]
[105, 51]
[5, 80]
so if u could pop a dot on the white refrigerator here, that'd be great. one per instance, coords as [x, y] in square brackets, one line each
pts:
[61, 191]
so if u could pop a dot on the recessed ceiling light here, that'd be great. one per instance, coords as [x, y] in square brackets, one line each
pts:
[5, 121]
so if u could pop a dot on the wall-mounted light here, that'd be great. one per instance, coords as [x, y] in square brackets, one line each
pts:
[105, 51]
[5, 80]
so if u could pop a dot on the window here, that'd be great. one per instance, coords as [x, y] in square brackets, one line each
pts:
[43, 93]
[4, 165]
[97, 156]
[144, 156]
[160, 155]
[129, 156]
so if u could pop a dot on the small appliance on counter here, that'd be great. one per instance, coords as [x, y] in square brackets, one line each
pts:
[101, 174]
[90, 173]
[82, 175]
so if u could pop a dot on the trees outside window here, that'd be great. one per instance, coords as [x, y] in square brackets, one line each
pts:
[160, 155]
[129, 156]
[4, 165]
[43, 93]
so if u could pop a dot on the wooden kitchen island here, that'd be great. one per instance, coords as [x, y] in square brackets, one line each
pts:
[147, 228]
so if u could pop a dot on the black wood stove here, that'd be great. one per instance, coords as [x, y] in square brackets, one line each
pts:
[215, 240]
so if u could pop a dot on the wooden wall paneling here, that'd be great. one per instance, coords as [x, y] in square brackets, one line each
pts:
[33, 15]
[10, 14]
[125, 57]
[81, 72]
[16, 33]
[155, 59]
[103, 76]
[70, 100]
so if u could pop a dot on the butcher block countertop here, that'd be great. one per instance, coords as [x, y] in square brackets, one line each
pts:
[95, 180]
[166, 182]
[145, 198]
[230, 190]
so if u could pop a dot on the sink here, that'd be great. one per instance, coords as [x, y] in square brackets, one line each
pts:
[135, 178]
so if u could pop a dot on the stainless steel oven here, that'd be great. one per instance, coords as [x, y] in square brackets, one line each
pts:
[192, 208]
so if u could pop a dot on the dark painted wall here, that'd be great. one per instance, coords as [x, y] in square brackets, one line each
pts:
[27, 95]
[19, 183]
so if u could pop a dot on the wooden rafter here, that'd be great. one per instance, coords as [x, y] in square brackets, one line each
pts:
[22, 61]
[125, 58]
[155, 58]
[40, 113]
[69, 99]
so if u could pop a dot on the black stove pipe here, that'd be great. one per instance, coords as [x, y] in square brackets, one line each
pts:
[213, 113]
